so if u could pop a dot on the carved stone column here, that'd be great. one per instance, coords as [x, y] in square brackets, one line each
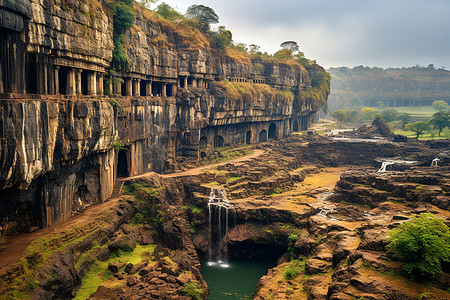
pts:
[56, 80]
[92, 83]
[78, 82]
[174, 90]
[136, 87]
[129, 87]
[71, 88]
[194, 82]
[164, 90]
[185, 82]
[148, 88]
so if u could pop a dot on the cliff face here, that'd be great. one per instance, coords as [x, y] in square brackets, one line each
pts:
[62, 112]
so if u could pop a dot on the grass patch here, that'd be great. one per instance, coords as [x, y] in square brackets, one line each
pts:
[233, 179]
[293, 269]
[99, 273]
[427, 135]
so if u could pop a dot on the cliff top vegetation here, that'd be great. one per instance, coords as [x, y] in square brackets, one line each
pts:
[194, 32]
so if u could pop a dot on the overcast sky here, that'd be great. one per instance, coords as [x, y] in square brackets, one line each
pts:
[380, 33]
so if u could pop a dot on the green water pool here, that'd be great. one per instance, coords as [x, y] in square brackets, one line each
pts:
[235, 279]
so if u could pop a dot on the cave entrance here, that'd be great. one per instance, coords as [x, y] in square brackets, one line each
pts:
[203, 142]
[62, 80]
[218, 141]
[157, 89]
[122, 164]
[273, 132]
[248, 137]
[263, 136]
[31, 75]
[295, 127]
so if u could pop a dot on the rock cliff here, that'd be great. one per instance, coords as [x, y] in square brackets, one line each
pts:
[70, 124]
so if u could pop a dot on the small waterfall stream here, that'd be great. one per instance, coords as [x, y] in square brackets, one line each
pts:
[387, 163]
[435, 162]
[219, 209]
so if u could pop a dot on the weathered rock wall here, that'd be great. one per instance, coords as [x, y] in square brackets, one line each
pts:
[58, 129]
[56, 157]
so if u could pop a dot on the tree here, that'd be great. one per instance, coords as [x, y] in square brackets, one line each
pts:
[368, 114]
[147, 3]
[423, 243]
[253, 49]
[440, 105]
[167, 11]
[340, 115]
[418, 127]
[223, 37]
[204, 15]
[440, 120]
[283, 54]
[291, 46]
[405, 118]
[389, 115]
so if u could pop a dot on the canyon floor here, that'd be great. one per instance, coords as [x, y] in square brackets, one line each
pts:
[317, 205]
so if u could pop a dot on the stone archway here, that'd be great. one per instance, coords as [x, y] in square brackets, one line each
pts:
[295, 126]
[248, 137]
[263, 136]
[122, 164]
[272, 135]
[218, 141]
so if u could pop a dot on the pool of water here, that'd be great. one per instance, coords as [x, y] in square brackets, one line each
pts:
[235, 279]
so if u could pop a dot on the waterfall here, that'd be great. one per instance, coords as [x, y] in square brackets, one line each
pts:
[384, 164]
[218, 209]
[435, 162]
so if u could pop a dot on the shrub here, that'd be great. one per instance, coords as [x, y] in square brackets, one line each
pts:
[291, 271]
[291, 242]
[422, 243]
[191, 289]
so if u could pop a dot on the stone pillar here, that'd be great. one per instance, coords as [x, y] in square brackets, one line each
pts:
[128, 87]
[100, 84]
[194, 82]
[71, 87]
[185, 82]
[136, 87]
[78, 82]
[92, 83]
[56, 80]
[174, 90]
[148, 88]
[164, 89]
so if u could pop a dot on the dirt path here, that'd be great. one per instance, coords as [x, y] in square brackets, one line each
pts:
[199, 170]
[12, 247]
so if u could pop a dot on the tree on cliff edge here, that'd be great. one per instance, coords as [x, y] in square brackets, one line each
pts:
[204, 15]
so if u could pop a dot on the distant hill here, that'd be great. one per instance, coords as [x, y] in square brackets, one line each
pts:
[366, 86]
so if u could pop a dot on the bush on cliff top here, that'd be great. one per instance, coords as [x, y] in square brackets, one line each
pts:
[423, 243]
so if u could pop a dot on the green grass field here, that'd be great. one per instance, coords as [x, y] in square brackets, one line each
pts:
[427, 135]
[418, 113]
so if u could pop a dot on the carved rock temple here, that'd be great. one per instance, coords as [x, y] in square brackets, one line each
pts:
[63, 109]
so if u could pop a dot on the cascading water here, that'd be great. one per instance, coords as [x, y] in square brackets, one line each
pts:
[219, 209]
[435, 162]
[386, 163]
